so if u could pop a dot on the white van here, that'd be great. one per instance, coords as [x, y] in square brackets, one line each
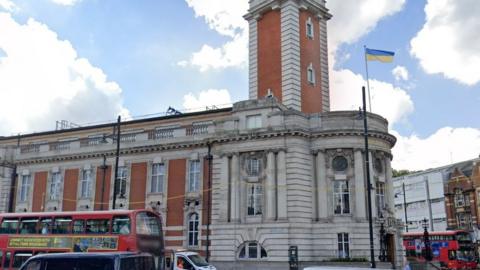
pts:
[190, 260]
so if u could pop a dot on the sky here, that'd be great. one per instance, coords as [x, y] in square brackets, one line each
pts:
[87, 61]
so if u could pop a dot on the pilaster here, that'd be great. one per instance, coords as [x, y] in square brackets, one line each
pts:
[360, 185]
[281, 186]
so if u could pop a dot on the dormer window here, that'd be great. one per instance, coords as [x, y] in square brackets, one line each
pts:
[309, 28]
[311, 74]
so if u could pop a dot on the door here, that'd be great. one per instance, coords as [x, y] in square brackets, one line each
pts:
[390, 248]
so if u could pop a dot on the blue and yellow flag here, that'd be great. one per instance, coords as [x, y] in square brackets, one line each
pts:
[378, 55]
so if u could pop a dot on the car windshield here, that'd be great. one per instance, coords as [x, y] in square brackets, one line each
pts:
[79, 264]
[197, 260]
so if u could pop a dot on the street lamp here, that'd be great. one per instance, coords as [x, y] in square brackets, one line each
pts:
[404, 204]
[383, 255]
[426, 241]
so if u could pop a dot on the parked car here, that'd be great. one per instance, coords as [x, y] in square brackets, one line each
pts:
[90, 261]
[187, 260]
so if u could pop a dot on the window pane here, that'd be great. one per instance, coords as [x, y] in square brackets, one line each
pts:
[29, 226]
[242, 252]
[9, 226]
[147, 224]
[252, 250]
[121, 225]
[97, 226]
[78, 226]
[62, 225]
[20, 257]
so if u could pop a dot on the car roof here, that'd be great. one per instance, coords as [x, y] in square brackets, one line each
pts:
[79, 255]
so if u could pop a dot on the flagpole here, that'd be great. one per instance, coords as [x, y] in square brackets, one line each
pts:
[368, 83]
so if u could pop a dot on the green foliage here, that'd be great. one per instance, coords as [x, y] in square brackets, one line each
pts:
[397, 173]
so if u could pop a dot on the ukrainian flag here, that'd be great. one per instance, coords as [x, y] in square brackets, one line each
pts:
[378, 55]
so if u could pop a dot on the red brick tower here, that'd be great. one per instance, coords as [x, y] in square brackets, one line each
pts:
[288, 53]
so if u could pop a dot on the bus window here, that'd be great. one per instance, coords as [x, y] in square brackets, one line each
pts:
[121, 225]
[45, 226]
[9, 226]
[148, 224]
[452, 255]
[98, 226]
[79, 226]
[20, 257]
[62, 225]
[8, 257]
[28, 226]
[1, 259]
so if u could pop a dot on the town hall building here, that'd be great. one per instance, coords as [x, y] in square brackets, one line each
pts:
[271, 172]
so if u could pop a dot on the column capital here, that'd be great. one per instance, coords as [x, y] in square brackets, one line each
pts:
[275, 150]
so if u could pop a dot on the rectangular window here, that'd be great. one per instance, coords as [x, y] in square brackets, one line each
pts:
[253, 167]
[341, 197]
[61, 225]
[254, 199]
[55, 186]
[311, 74]
[121, 225]
[122, 181]
[24, 188]
[309, 28]
[86, 184]
[194, 176]
[79, 226]
[254, 121]
[98, 226]
[380, 190]
[343, 245]
[158, 176]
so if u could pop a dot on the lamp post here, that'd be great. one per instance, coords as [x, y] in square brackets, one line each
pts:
[209, 205]
[426, 241]
[117, 154]
[369, 186]
[382, 256]
[404, 204]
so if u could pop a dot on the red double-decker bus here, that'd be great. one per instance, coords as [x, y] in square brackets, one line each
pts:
[452, 249]
[23, 235]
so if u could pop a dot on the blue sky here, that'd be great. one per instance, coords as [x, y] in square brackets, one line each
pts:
[140, 57]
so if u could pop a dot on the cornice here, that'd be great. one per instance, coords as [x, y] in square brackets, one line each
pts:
[223, 139]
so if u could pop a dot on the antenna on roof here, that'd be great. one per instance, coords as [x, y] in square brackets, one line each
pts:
[172, 111]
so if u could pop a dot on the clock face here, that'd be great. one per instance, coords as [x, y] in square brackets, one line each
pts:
[339, 163]
[378, 165]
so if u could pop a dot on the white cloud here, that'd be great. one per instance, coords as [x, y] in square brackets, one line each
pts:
[391, 102]
[225, 17]
[43, 80]
[207, 99]
[449, 43]
[400, 73]
[352, 19]
[445, 146]
[7, 5]
[65, 2]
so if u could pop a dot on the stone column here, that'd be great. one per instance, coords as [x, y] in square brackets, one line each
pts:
[360, 186]
[389, 184]
[282, 186]
[235, 189]
[270, 188]
[224, 189]
[322, 189]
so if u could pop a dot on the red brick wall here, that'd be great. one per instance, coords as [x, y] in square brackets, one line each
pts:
[310, 53]
[138, 184]
[176, 192]
[70, 190]
[39, 191]
[98, 188]
[269, 55]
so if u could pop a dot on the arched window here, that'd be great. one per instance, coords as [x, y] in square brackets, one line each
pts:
[251, 251]
[193, 230]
